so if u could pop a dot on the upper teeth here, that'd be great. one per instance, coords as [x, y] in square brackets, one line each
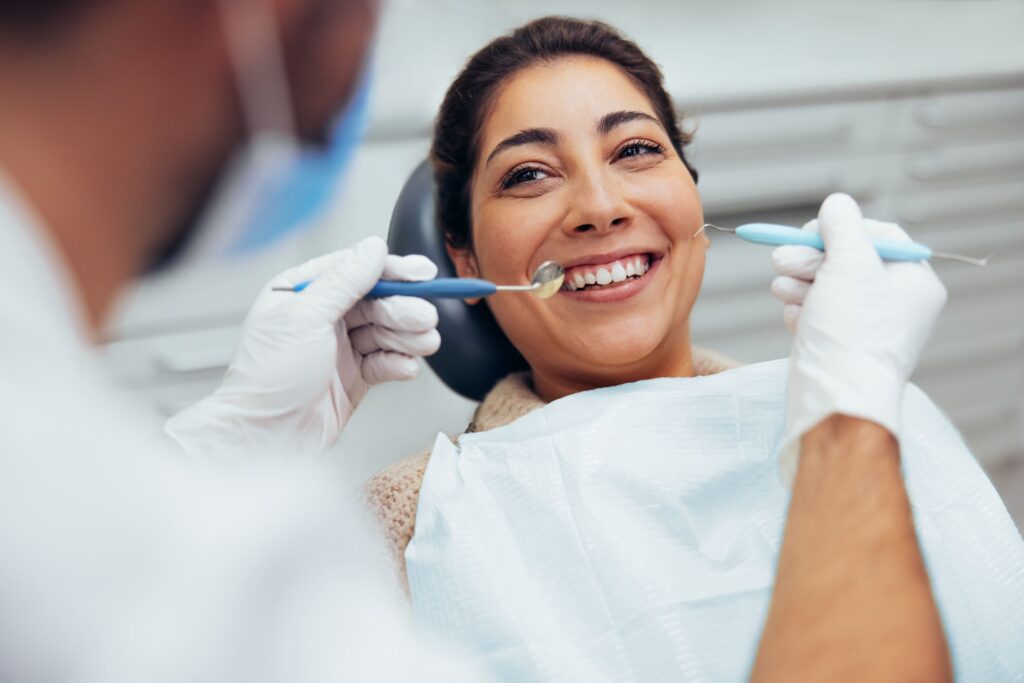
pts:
[616, 271]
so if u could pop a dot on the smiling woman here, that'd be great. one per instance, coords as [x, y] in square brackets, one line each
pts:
[558, 142]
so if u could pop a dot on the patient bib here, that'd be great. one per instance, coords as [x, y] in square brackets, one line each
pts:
[631, 534]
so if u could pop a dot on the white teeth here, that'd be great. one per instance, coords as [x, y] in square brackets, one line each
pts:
[618, 271]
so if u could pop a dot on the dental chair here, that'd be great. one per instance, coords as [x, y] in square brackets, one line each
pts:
[474, 352]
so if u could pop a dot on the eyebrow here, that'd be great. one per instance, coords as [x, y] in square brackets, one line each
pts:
[546, 136]
[530, 136]
[617, 118]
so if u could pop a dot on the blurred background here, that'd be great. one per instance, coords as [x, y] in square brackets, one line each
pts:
[916, 108]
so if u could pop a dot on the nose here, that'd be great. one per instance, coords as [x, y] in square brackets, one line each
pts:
[599, 205]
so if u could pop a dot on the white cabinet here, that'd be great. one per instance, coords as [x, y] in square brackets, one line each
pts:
[959, 186]
[767, 158]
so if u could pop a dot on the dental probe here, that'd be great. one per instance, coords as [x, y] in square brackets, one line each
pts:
[547, 280]
[889, 250]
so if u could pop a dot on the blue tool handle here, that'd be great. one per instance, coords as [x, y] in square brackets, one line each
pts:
[779, 235]
[441, 288]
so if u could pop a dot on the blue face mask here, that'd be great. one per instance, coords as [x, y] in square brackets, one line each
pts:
[275, 186]
[297, 198]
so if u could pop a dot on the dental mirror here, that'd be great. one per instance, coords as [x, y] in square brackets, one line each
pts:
[546, 282]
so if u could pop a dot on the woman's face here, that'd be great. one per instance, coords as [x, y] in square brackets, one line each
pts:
[574, 167]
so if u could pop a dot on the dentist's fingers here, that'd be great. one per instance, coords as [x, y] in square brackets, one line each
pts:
[355, 271]
[386, 366]
[880, 230]
[369, 339]
[791, 316]
[363, 263]
[790, 290]
[412, 268]
[841, 226]
[803, 262]
[405, 313]
[797, 261]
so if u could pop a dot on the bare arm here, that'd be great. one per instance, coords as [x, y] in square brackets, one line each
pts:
[852, 601]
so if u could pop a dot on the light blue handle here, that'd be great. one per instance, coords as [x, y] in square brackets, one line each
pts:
[778, 235]
[441, 288]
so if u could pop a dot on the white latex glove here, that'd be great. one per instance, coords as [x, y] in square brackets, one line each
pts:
[859, 323]
[307, 359]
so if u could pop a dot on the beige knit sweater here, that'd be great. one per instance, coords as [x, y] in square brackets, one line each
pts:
[393, 493]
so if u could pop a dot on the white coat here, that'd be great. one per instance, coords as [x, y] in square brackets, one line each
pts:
[120, 561]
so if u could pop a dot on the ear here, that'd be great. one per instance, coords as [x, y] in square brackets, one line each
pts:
[465, 265]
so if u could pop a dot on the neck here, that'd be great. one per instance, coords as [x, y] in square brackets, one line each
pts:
[673, 359]
[104, 147]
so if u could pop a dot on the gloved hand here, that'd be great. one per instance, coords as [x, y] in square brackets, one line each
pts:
[859, 323]
[306, 359]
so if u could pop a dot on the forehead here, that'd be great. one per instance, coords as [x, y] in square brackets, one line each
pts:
[568, 94]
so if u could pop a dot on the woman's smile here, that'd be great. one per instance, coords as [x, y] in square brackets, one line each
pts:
[609, 278]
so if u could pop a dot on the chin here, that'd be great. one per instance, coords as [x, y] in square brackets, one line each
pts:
[625, 349]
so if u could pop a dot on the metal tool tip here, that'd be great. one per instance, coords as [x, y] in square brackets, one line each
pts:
[713, 227]
[964, 259]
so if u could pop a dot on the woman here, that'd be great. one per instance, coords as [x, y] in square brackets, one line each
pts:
[559, 142]
[613, 200]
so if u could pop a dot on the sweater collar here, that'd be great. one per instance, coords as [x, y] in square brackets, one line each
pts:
[513, 397]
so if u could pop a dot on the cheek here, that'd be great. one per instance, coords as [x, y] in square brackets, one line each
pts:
[672, 200]
[681, 217]
[691, 274]
[506, 237]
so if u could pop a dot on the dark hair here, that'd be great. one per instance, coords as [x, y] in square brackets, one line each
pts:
[457, 131]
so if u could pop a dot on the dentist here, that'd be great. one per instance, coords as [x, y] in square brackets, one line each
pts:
[135, 135]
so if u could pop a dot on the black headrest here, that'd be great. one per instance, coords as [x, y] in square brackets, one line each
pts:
[474, 352]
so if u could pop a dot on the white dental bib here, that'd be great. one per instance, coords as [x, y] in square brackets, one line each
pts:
[631, 534]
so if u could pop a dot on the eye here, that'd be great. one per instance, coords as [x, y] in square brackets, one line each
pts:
[637, 148]
[520, 175]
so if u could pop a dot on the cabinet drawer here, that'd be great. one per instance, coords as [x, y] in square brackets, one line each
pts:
[962, 205]
[742, 189]
[966, 164]
[781, 134]
[958, 117]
